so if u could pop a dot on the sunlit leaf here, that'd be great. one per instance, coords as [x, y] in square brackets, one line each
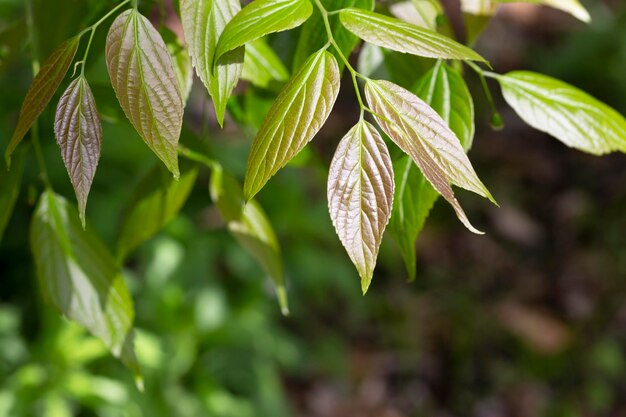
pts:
[261, 65]
[41, 90]
[250, 227]
[203, 23]
[422, 134]
[10, 183]
[182, 62]
[156, 200]
[565, 112]
[78, 275]
[78, 131]
[313, 37]
[422, 13]
[400, 36]
[360, 196]
[445, 91]
[296, 116]
[144, 80]
[573, 7]
[260, 18]
[476, 15]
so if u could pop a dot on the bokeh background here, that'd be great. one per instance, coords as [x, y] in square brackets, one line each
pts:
[527, 320]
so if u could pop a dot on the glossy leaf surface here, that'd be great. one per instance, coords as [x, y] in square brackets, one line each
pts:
[78, 132]
[360, 196]
[144, 80]
[296, 116]
[422, 134]
[400, 36]
[42, 89]
[565, 112]
[203, 24]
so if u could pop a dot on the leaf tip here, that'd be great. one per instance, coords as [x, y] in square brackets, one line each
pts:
[139, 383]
[281, 293]
[7, 160]
[83, 220]
[365, 284]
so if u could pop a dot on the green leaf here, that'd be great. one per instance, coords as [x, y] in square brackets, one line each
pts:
[444, 89]
[312, 38]
[422, 134]
[250, 227]
[360, 196]
[260, 18]
[423, 13]
[476, 15]
[565, 112]
[78, 132]
[181, 60]
[296, 116]
[10, 183]
[261, 65]
[41, 91]
[156, 200]
[397, 35]
[144, 80]
[78, 276]
[203, 24]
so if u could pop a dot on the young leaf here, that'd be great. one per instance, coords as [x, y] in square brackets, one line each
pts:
[572, 7]
[360, 196]
[250, 227]
[311, 38]
[156, 200]
[565, 112]
[182, 62]
[78, 276]
[421, 133]
[444, 89]
[296, 116]
[203, 23]
[10, 183]
[397, 35]
[143, 77]
[260, 18]
[261, 65]
[79, 135]
[476, 16]
[41, 90]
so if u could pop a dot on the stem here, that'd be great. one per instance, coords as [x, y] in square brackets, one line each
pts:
[82, 67]
[481, 74]
[34, 131]
[195, 156]
[353, 73]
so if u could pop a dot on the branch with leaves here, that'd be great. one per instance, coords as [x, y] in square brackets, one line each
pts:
[407, 147]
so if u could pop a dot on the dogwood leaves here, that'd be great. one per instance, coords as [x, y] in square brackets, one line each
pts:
[260, 18]
[144, 80]
[360, 195]
[42, 89]
[79, 135]
[78, 275]
[296, 116]
[203, 23]
[565, 112]
[391, 33]
[421, 133]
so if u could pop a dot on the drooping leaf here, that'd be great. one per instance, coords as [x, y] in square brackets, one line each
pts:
[400, 36]
[250, 227]
[261, 65]
[78, 132]
[203, 23]
[422, 134]
[10, 183]
[78, 276]
[296, 116]
[313, 37]
[565, 112]
[182, 62]
[156, 200]
[144, 80]
[41, 90]
[260, 18]
[422, 13]
[476, 15]
[444, 89]
[573, 7]
[360, 196]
